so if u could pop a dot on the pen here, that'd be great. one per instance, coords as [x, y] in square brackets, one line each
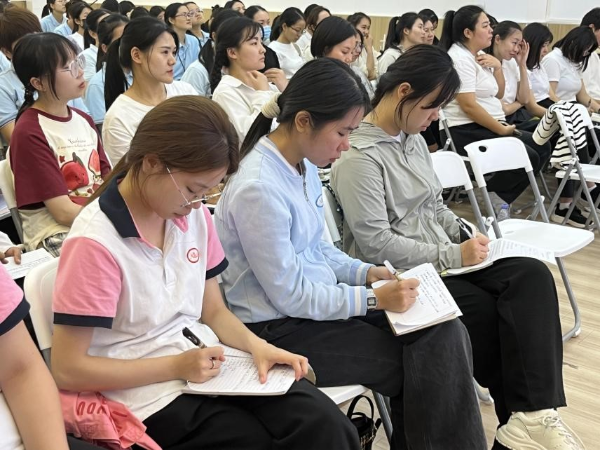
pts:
[393, 271]
[464, 227]
[193, 338]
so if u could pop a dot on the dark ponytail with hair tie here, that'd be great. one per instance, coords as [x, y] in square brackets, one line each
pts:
[29, 100]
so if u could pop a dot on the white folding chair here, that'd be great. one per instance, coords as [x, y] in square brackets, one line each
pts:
[576, 171]
[38, 288]
[333, 217]
[509, 153]
[7, 186]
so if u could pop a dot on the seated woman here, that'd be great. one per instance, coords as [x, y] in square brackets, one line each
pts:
[539, 37]
[287, 29]
[564, 66]
[518, 103]
[313, 18]
[476, 113]
[299, 292]
[55, 154]
[242, 90]
[393, 209]
[337, 38]
[367, 60]
[179, 19]
[90, 41]
[153, 80]
[15, 23]
[404, 32]
[150, 240]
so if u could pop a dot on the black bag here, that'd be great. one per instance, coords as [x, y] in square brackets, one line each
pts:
[366, 426]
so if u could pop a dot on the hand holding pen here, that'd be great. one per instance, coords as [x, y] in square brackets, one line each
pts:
[199, 364]
[474, 250]
[398, 295]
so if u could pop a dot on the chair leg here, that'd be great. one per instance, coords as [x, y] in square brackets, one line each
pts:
[576, 330]
[483, 395]
[383, 407]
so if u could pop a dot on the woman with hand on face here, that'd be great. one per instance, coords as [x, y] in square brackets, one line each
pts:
[243, 90]
[367, 59]
[287, 29]
[403, 33]
[179, 19]
[476, 113]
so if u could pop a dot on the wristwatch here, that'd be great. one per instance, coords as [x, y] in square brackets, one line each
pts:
[371, 300]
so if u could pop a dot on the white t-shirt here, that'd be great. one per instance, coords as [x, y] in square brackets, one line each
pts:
[290, 57]
[91, 57]
[241, 102]
[566, 73]
[512, 78]
[473, 79]
[124, 116]
[539, 82]
[591, 76]
[304, 42]
[388, 58]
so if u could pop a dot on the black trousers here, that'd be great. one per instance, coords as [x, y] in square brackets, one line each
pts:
[511, 312]
[507, 184]
[428, 405]
[304, 418]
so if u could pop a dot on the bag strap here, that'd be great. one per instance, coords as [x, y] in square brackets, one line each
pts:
[356, 399]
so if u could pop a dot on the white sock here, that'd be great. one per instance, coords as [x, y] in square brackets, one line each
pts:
[564, 205]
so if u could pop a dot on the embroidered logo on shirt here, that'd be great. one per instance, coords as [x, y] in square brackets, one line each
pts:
[319, 201]
[193, 255]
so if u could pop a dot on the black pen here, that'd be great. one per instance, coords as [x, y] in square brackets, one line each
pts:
[193, 338]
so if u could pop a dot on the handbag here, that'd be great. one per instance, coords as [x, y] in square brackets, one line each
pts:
[367, 427]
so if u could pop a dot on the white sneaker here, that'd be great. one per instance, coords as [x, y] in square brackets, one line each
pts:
[540, 430]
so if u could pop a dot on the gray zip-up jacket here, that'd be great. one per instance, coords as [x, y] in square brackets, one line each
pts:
[392, 203]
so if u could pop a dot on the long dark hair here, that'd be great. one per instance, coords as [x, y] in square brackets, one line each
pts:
[141, 33]
[455, 24]
[578, 45]
[75, 11]
[232, 33]
[504, 29]
[171, 12]
[111, 5]
[156, 10]
[106, 29]
[325, 88]
[206, 139]
[289, 17]
[252, 10]
[429, 14]
[91, 24]
[39, 55]
[396, 28]
[536, 35]
[125, 7]
[312, 18]
[330, 32]
[207, 53]
[408, 68]
[356, 18]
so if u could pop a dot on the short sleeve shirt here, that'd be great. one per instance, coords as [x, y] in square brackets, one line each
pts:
[565, 73]
[540, 84]
[473, 79]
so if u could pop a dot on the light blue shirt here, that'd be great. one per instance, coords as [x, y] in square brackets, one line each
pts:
[12, 95]
[64, 29]
[187, 54]
[49, 23]
[197, 75]
[94, 94]
[4, 62]
[270, 223]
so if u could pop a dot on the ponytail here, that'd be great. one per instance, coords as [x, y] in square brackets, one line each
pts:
[455, 24]
[275, 29]
[115, 82]
[91, 23]
[396, 29]
[207, 53]
[45, 10]
[446, 41]
[106, 30]
[289, 17]
[260, 127]
[391, 40]
[120, 169]
[221, 60]
[28, 102]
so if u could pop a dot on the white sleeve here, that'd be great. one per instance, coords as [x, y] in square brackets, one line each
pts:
[467, 73]
[116, 137]
[552, 68]
[5, 242]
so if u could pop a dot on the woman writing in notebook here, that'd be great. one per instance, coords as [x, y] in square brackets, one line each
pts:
[151, 244]
[394, 210]
[303, 294]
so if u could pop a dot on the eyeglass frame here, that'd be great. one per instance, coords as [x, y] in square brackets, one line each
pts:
[189, 15]
[187, 203]
[75, 65]
[297, 30]
[195, 12]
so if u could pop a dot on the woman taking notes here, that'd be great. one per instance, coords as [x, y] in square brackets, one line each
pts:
[151, 243]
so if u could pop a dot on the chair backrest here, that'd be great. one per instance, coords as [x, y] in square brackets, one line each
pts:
[7, 186]
[451, 170]
[39, 288]
[580, 114]
[333, 218]
[495, 155]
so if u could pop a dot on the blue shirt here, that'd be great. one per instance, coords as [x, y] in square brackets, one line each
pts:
[197, 75]
[49, 23]
[64, 29]
[94, 95]
[12, 95]
[4, 63]
[270, 222]
[187, 54]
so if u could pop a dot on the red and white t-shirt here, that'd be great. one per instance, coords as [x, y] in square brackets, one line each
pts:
[52, 156]
[13, 309]
[139, 298]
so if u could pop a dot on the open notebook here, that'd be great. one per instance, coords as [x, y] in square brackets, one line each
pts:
[28, 261]
[434, 304]
[239, 376]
